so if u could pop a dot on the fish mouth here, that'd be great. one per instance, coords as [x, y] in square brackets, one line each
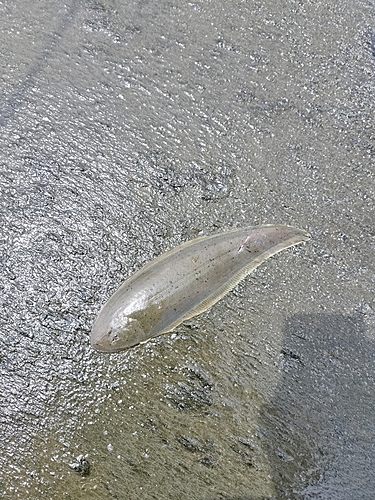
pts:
[102, 345]
[98, 341]
[104, 342]
[305, 236]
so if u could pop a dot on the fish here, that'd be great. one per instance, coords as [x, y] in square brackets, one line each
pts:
[184, 282]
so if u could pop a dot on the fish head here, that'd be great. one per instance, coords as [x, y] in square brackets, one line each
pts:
[112, 333]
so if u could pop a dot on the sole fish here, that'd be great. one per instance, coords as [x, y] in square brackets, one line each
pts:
[184, 282]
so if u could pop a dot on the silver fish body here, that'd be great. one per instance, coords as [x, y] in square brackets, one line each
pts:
[184, 282]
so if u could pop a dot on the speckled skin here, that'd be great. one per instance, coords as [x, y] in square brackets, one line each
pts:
[184, 282]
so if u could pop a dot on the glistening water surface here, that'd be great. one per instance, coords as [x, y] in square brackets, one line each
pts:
[128, 128]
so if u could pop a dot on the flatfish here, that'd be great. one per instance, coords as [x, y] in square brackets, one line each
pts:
[184, 282]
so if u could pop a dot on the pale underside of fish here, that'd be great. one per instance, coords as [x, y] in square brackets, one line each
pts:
[184, 282]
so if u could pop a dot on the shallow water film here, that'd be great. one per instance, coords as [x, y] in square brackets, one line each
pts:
[128, 128]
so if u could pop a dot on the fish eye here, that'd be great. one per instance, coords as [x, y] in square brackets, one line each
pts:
[115, 339]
